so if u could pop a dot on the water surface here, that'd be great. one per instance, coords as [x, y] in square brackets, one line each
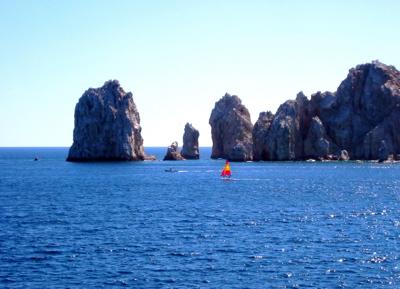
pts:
[276, 225]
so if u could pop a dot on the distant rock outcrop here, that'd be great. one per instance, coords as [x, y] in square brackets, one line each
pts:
[231, 130]
[107, 126]
[190, 149]
[359, 121]
[173, 153]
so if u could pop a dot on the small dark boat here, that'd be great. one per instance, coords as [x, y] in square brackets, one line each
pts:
[170, 170]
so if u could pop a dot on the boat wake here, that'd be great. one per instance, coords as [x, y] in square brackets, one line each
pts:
[245, 179]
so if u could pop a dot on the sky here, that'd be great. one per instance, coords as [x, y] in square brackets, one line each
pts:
[178, 58]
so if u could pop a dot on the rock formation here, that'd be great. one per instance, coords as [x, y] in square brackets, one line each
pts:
[260, 136]
[107, 126]
[359, 121]
[173, 153]
[284, 139]
[190, 149]
[231, 130]
[344, 155]
[317, 144]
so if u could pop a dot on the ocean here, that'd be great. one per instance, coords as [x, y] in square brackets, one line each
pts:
[134, 225]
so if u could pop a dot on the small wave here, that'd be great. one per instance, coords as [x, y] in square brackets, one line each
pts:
[48, 252]
[117, 283]
[226, 250]
[123, 272]
[94, 230]
[368, 213]
[378, 259]
[257, 257]
[38, 258]
[7, 280]
[184, 254]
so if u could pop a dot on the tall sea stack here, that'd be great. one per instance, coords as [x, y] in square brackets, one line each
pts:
[231, 130]
[190, 149]
[107, 126]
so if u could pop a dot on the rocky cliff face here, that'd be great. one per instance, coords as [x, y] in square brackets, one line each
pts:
[282, 135]
[284, 140]
[107, 126]
[360, 119]
[190, 149]
[260, 136]
[317, 144]
[231, 130]
[364, 110]
[173, 153]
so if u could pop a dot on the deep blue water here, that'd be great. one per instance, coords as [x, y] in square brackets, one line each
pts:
[276, 225]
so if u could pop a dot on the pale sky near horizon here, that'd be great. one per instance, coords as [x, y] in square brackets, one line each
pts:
[178, 58]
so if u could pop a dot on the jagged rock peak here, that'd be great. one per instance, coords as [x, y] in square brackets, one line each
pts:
[359, 121]
[227, 102]
[173, 153]
[107, 126]
[364, 109]
[369, 82]
[190, 149]
[231, 130]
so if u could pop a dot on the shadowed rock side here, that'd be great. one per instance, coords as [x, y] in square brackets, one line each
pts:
[107, 126]
[317, 144]
[260, 133]
[173, 153]
[231, 130]
[190, 149]
[358, 121]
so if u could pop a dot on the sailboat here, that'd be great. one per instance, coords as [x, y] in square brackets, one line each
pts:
[226, 171]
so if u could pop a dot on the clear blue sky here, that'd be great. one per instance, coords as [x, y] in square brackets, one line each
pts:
[178, 58]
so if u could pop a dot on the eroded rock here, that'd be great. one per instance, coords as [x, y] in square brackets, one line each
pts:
[107, 126]
[231, 130]
[260, 136]
[190, 149]
[361, 118]
[173, 153]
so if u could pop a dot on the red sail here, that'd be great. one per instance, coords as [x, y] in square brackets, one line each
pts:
[226, 172]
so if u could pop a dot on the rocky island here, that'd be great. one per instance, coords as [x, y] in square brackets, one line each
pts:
[231, 130]
[361, 120]
[190, 149]
[107, 126]
[173, 153]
